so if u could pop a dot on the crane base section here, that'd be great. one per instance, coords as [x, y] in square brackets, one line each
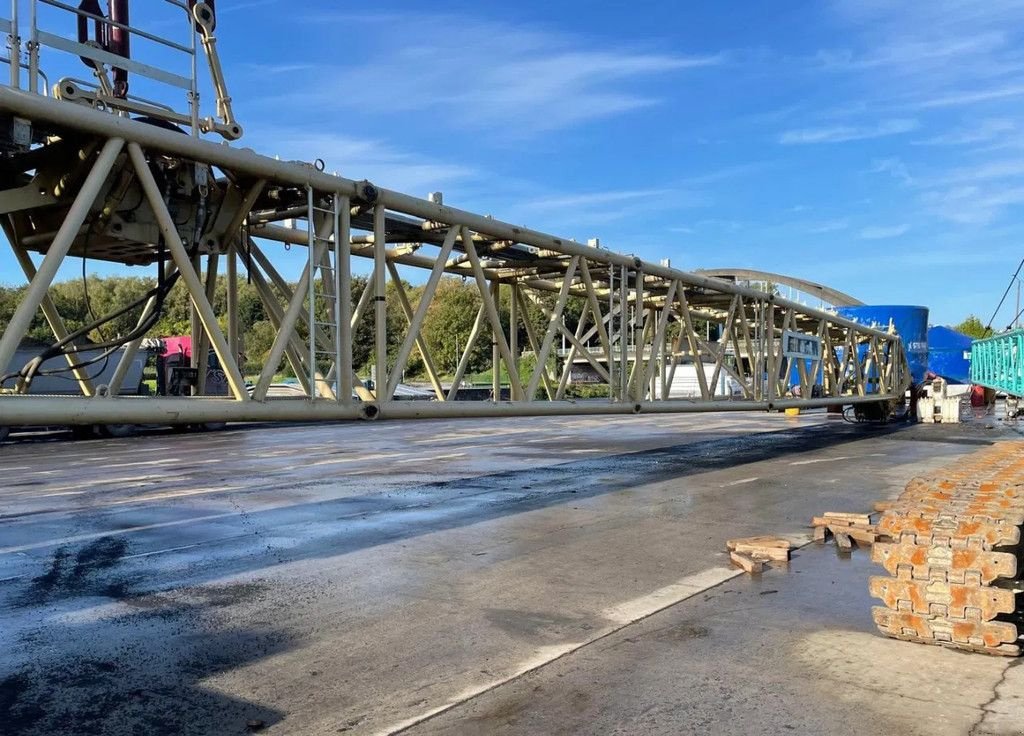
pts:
[954, 562]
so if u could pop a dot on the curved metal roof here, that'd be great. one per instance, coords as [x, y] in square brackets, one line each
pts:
[827, 294]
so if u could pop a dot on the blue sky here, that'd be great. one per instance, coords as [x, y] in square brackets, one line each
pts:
[873, 146]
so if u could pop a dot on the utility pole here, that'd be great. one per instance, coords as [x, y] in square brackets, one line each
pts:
[1017, 318]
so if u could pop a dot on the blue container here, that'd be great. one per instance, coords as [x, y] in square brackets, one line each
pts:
[911, 324]
[949, 354]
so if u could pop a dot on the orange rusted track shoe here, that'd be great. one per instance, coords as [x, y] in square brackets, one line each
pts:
[953, 562]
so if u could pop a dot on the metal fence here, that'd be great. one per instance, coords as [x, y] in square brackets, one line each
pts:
[996, 362]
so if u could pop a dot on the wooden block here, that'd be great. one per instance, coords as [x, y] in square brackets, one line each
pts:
[829, 521]
[843, 540]
[839, 523]
[865, 535]
[748, 563]
[764, 542]
[821, 533]
[769, 553]
[883, 506]
[851, 518]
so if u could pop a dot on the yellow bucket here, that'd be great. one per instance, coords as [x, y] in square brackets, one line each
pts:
[793, 412]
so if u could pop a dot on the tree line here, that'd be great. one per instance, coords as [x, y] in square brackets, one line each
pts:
[446, 330]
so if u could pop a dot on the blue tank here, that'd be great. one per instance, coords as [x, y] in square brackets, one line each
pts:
[911, 324]
[949, 354]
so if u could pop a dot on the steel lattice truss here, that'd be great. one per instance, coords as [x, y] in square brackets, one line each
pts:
[998, 362]
[97, 182]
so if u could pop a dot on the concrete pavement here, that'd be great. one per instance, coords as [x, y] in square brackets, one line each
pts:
[535, 576]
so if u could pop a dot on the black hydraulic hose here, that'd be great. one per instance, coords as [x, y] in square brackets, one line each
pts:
[32, 368]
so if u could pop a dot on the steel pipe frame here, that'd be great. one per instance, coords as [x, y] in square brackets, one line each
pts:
[132, 348]
[53, 318]
[297, 237]
[563, 382]
[495, 294]
[319, 258]
[573, 253]
[413, 333]
[20, 410]
[203, 357]
[412, 336]
[261, 260]
[554, 321]
[531, 336]
[64, 115]
[229, 363]
[491, 309]
[294, 350]
[38, 289]
[286, 329]
[271, 305]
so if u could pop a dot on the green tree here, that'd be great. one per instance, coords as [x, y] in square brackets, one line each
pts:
[449, 321]
[972, 327]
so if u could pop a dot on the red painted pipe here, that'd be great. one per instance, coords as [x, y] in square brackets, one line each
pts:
[91, 6]
[120, 43]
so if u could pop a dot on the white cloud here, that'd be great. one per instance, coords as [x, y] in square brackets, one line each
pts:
[257, 68]
[360, 158]
[933, 54]
[844, 133]
[231, 7]
[831, 226]
[969, 97]
[973, 205]
[511, 79]
[911, 55]
[1001, 168]
[595, 199]
[982, 132]
[576, 210]
[880, 232]
[892, 166]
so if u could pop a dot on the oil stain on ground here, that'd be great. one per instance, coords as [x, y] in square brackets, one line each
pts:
[79, 574]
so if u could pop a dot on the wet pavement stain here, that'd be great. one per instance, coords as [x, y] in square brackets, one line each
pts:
[86, 577]
[534, 624]
[101, 554]
[48, 580]
[17, 712]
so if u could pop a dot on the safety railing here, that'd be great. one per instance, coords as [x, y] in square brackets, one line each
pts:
[103, 42]
[998, 362]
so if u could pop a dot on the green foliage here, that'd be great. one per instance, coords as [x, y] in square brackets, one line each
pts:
[972, 327]
[449, 323]
[587, 391]
[258, 341]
